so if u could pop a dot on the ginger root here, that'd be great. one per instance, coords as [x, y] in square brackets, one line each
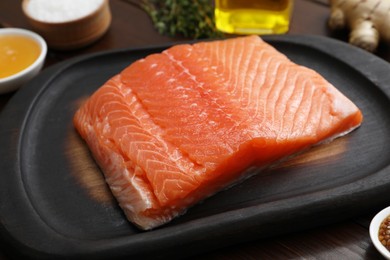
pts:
[368, 21]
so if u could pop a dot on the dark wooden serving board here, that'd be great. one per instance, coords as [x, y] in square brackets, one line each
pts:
[54, 202]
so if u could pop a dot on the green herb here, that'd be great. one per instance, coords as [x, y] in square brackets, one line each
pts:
[189, 18]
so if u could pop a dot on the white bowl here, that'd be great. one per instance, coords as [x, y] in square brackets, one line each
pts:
[374, 229]
[16, 80]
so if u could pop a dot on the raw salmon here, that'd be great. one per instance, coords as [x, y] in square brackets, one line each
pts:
[176, 127]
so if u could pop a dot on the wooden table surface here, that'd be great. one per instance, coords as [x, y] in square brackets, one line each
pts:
[131, 27]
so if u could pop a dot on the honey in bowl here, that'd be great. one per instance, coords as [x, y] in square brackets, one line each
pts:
[17, 52]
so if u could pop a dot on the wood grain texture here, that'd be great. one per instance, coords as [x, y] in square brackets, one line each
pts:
[86, 171]
[340, 241]
[67, 191]
[130, 28]
[320, 154]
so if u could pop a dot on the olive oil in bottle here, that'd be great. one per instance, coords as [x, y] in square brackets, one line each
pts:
[253, 16]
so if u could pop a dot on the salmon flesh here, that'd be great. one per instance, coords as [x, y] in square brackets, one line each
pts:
[176, 127]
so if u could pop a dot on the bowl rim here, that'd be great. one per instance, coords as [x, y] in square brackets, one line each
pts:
[374, 229]
[32, 35]
[76, 20]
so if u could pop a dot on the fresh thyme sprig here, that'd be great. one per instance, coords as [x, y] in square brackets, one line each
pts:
[189, 18]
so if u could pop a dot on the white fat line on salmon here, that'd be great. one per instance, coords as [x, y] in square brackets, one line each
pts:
[200, 86]
[180, 159]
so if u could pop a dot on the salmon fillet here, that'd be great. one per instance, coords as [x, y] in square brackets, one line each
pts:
[178, 126]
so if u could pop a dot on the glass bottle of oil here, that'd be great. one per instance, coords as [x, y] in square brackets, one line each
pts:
[253, 16]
